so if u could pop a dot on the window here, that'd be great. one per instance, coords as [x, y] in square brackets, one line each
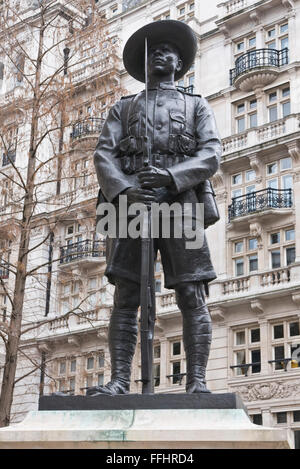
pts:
[64, 370]
[8, 146]
[81, 173]
[250, 175]
[176, 361]
[273, 116]
[243, 45]
[90, 363]
[278, 176]
[252, 244]
[281, 417]
[239, 267]
[296, 416]
[277, 36]
[94, 369]
[286, 345]
[294, 328]
[237, 179]
[257, 419]
[73, 366]
[156, 365]
[285, 253]
[285, 163]
[163, 16]
[275, 238]
[253, 120]
[253, 263]
[290, 235]
[249, 261]
[246, 350]
[246, 114]
[290, 255]
[279, 105]
[252, 42]
[186, 10]
[275, 257]
[239, 246]
[70, 296]
[240, 338]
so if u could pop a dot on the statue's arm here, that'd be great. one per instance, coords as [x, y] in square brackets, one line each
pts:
[111, 178]
[206, 159]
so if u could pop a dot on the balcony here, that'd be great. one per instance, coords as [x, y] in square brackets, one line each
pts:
[259, 201]
[91, 126]
[281, 131]
[4, 270]
[257, 68]
[85, 252]
[8, 158]
[233, 6]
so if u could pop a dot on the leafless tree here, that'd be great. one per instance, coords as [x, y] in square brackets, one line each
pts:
[44, 47]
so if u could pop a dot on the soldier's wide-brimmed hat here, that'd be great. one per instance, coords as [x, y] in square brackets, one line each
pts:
[174, 32]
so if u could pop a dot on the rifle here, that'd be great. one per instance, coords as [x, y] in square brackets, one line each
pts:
[147, 270]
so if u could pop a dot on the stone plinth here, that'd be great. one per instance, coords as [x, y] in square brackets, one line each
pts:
[143, 401]
[138, 428]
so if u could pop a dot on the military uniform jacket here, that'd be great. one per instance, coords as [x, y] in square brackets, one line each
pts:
[183, 135]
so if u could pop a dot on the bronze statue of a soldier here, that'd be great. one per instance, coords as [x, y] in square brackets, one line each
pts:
[185, 149]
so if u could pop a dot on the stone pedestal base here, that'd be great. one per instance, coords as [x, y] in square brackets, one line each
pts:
[142, 429]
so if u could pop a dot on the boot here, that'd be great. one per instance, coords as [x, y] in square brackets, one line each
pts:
[122, 337]
[196, 339]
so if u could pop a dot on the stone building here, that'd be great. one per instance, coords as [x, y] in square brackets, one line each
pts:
[247, 66]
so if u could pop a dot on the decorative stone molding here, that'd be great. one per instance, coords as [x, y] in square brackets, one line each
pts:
[221, 196]
[289, 4]
[296, 299]
[294, 150]
[256, 79]
[256, 230]
[45, 347]
[254, 163]
[217, 313]
[296, 176]
[103, 334]
[255, 17]
[225, 31]
[159, 325]
[218, 179]
[265, 391]
[74, 341]
[257, 307]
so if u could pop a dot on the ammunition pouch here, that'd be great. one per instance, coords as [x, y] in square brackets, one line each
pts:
[206, 195]
[182, 144]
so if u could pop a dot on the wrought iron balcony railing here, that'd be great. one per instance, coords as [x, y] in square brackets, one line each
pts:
[4, 270]
[257, 59]
[260, 200]
[82, 249]
[88, 126]
[8, 158]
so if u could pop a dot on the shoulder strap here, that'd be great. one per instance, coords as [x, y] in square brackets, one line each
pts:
[189, 113]
[127, 104]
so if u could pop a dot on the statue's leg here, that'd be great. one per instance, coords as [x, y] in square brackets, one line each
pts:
[196, 333]
[122, 337]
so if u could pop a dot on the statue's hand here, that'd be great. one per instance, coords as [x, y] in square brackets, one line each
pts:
[138, 194]
[149, 177]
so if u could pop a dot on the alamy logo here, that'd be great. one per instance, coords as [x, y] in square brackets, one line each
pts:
[165, 220]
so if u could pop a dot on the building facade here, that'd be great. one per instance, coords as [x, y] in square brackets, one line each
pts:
[247, 66]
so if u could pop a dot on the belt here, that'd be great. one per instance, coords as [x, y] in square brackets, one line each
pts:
[132, 163]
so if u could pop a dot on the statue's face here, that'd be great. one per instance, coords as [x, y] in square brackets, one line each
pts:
[163, 59]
